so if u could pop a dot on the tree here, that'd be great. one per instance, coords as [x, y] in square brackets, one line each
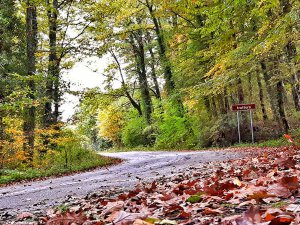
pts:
[30, 109]
[110, 124]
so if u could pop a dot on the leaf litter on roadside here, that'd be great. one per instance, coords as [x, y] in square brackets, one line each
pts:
[262, 188]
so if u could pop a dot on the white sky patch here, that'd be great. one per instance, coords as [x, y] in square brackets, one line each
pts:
[85, 74]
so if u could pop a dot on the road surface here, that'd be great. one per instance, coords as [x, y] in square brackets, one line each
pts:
[40, 195]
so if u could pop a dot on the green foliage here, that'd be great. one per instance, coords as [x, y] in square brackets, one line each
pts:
[132, 132]
[174, 128]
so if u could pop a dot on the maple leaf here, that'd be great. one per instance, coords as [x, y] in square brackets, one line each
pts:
[252, 214]
[272, 213]
[290, 182]
[285, 162]
[279, 190]
[281, 220]
[67, 218]
[209, 211]
[113, 207]
[150, 188]
[124, 218]
[250, 217]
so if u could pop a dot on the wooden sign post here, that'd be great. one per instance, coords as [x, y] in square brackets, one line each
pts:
[244, 107]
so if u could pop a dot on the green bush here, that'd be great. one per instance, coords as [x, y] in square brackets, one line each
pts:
[175, 128]
[173, 132]
[132, 133]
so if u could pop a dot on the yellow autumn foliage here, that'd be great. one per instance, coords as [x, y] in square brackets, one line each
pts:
[110, 124]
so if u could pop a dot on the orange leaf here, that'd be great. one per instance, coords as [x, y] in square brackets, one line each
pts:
[288, 137]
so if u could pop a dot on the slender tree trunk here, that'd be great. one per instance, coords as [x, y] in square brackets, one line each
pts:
[124, 85]
[291, 53]
[54, 60]
[153, 74]
[280, 100]
[137, 43]
[170, 85]
[281, 96]
[144, 85]
[270, 91]
[56, 97]
[250, 87]
[214, 107]
[30, 111]
[261, 98]
[2, 138]
[53, 70]
[207, 105]
[295, 92]
[226, 100]
[240, 91]
[223, 109]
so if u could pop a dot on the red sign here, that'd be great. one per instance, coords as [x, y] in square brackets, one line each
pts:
[243, 107]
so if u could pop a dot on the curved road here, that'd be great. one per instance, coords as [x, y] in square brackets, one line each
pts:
[40, 195]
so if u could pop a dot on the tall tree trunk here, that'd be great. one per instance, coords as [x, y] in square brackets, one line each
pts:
[53, 70]
[226, 100]
[240, 91]
[2, 138]
[214, 107]
[30, 111]
[291, 52]
[281, 96]
[223, 109]
[296, 91]
[170, 84]
[207, 105]
[250, 86]
[56, 97]
[261, 97]
[137, 43]
[153, 74]
[280, 100]
[144, 84]
[270, 91]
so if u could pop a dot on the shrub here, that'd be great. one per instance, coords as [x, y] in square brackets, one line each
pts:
[172, 132]
[132, 133]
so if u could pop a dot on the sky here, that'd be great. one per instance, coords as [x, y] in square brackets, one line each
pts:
[85, 74]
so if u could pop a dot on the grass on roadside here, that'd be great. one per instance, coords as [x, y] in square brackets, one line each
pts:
[280, 142]
[87, 161]
[270, 143]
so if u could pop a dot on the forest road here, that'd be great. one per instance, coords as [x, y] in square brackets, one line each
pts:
[38, 196]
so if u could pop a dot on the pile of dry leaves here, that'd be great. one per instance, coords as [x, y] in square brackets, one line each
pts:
[260, 189]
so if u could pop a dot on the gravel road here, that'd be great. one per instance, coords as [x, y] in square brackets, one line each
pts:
[40, 195]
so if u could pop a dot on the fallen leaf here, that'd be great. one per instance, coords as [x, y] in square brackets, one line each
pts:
[141, 222]
[124, 218]
[293, 208]
[25, 215]
[282, 220]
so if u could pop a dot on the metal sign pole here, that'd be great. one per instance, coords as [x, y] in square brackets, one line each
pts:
[251, 125]
[244, 107]
[238, 120]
